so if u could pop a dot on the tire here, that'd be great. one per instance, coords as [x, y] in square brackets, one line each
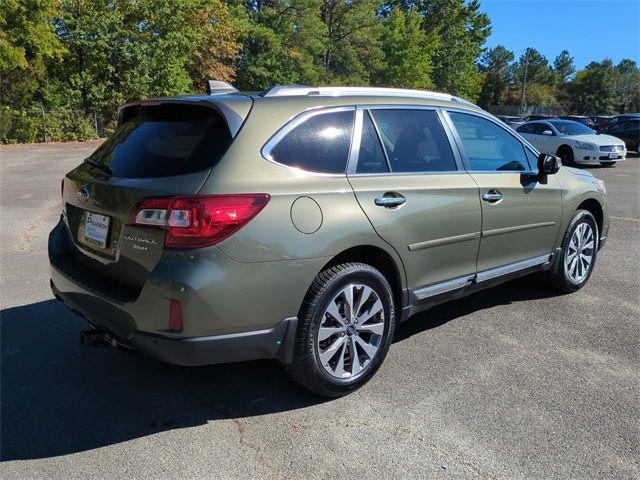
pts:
[607, 164]
[566, 155]
[324, 365]
[565, 278]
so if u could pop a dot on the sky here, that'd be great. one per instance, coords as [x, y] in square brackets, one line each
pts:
[589, 29]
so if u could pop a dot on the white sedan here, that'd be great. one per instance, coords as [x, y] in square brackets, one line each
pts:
[573, 142]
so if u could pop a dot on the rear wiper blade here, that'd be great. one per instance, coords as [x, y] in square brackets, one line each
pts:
[99, 164]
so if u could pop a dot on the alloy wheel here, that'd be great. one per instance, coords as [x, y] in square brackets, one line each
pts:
[580, 252]
[351, 331]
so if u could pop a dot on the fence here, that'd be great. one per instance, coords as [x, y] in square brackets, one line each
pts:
[41, 125]
[528, 110]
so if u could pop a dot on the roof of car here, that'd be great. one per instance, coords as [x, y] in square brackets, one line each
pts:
[301, 92]
[235, 105]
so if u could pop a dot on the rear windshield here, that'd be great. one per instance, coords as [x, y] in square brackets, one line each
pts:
[165, 141]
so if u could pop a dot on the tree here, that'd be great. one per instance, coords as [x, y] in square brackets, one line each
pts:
[27, 41]
[407, 51]
[128, 49]
[282, 42]
[628, 85]
[494, 65]
[594, 90]
[563, 66]
[462, 30]
[351, 40]
[538, 69]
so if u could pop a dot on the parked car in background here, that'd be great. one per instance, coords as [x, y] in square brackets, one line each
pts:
[579, 118]
[531, 118]
[512, 121]
[628, 131]
[303, 223]
[603, 127]
[573, 142]
[597, 119]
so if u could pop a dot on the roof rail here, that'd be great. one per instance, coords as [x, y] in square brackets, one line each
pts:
[218, 86]
[305, 90]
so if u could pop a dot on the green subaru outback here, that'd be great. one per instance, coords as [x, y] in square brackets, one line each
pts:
[302, 223]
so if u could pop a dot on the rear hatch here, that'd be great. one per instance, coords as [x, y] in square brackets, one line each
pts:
[158, 150]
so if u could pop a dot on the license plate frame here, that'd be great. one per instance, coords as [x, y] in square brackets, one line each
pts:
[613, 155]
[94, 229]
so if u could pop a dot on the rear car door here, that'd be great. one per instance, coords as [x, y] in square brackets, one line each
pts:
[417, 196]
[521, 212]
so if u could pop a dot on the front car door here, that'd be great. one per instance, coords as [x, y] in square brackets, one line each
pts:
[417, 195]
[521, 212]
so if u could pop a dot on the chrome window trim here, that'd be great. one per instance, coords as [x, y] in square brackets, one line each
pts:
[356, 140]
[353, 159]
[488, 117]
[298, 120]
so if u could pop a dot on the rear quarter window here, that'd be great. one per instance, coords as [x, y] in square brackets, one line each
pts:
[319, 144]
[165, 141]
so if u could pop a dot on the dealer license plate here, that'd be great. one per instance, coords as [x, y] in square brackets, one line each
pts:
[96, 229]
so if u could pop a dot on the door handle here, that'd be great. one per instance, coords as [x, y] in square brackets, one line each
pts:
[389, 201]
[492, 196]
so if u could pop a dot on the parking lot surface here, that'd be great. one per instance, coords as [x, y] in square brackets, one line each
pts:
[514, 382]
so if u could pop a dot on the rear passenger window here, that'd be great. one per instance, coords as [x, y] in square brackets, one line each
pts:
[414, 140]
[371, 158]
[489, 147]
[319, 144]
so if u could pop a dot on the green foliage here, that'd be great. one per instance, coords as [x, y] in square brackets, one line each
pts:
[462, 29]
[80, 58]
[628, 90]
[563, 66]
[282, 42]
[408, 50]
[28, 126]
[27, 41]
[495, 66]
[537, 68]
[351, 40]
[603, 88]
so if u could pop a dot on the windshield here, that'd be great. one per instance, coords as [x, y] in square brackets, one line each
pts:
[572, 128]
[165, 141]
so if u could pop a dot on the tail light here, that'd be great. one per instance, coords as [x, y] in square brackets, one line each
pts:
[198, 221]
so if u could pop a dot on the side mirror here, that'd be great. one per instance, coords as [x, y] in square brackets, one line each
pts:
[549, 133]
[548, 164]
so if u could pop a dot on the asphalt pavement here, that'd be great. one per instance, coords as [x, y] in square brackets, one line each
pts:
[515, 382]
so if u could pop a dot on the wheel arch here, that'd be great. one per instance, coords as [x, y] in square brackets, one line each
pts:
[564, 146]
[379, 259]
[594, 208]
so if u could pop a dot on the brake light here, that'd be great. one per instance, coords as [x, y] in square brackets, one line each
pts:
[198, 221]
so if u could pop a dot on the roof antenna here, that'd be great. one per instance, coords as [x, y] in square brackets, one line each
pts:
[217, 86]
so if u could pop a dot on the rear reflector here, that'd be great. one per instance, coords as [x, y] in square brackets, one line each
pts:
[175, 316]
[199, 220]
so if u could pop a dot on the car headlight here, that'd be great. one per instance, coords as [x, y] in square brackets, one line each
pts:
[601, 185]
[585, 146]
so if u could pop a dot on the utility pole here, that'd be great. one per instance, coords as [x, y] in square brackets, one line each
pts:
[524, 80]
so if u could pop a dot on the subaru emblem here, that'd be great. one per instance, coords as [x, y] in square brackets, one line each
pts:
[83, 194]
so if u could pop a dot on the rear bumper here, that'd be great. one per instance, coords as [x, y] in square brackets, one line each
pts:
[228, 307]
[272, 343]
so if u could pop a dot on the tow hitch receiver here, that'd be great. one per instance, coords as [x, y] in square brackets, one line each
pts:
[94, 338]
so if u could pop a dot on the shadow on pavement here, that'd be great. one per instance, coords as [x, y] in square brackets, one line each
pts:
[59, 398]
